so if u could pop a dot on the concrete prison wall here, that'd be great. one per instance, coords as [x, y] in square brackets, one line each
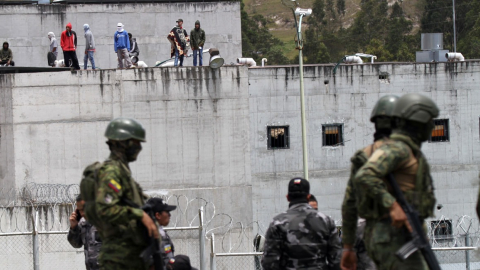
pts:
[25, 27]
[196, 121]
[347, 98]
[207, 130]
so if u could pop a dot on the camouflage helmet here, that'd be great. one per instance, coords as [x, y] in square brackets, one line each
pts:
[121, 129]
[415, 107]
[384, 107]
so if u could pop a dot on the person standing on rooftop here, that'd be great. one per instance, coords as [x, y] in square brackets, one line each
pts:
[89, 47]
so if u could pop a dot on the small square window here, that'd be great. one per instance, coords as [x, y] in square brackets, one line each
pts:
[332, 134]
[441, 229]
[278, 137]
[440, 132]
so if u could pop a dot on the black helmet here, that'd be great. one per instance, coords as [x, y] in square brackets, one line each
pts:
[121, 129]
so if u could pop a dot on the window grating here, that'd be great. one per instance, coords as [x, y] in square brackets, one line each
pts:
[442, 229]
[278, 137]
[440, 132]
[332, 134]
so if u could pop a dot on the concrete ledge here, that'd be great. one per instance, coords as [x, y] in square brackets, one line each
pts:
[5, 70]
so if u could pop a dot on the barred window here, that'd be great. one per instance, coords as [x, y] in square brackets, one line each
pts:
[278, 137]
[332, 134]
[442, 229]
[440, 132]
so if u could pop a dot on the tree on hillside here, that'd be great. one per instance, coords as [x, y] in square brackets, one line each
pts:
[438, 18]
[398, 37]
[469, 43]
[341, 8]
[370, 22]
[257, 41]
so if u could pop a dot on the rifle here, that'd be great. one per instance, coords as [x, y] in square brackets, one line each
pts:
[419, 240]
[153, 249]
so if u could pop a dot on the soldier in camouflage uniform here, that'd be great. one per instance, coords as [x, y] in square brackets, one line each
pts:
[400, 155]
[123, 233]
[302, 237]
[84, 234]
[354, 253]
[162, 215]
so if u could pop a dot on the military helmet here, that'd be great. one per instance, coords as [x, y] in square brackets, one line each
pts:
[384, 107]
[415, 107]
[121, 129]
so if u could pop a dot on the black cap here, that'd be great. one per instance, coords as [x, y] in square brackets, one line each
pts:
[180, 262]
[312, 198]
[158, 205]
[298, 186]
[180, 20]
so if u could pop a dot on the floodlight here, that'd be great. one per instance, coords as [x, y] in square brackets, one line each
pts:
[303, 11]
[216, 60]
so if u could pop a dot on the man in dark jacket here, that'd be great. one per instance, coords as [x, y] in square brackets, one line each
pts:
[134, 50]
[6, 55]
[302, 237]
[162, 215]
[197, 40]
[68, 42]
[84, 234]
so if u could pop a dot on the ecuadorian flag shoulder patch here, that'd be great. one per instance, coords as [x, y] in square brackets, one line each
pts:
[114, 185]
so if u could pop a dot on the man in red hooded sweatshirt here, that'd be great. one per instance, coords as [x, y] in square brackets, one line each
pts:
[68, 42]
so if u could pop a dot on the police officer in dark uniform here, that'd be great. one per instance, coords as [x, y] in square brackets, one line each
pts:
[162, 215]
[301, 237]
[84, 234]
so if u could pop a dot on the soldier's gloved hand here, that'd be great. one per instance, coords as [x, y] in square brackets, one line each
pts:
[73, 220]
[399, 219]
[150, 225]
[349, 259]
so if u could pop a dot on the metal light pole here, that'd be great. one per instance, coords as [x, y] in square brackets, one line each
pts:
[302, 13]
[454, 30]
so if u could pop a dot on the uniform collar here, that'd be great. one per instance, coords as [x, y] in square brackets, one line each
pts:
[298, 204]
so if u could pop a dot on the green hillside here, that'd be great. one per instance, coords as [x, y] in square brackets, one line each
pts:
[388, 28]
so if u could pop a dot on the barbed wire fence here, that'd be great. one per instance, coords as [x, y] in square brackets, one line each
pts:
[34, 223]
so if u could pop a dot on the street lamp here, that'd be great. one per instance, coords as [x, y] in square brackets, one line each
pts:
[297, 11]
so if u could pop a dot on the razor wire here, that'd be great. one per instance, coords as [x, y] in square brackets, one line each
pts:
[39, 194]
[52, 204]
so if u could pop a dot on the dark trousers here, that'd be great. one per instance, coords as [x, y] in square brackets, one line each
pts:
[5, 61]
[71, 56]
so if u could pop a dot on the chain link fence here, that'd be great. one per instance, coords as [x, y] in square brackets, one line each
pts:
[34, 223]
[458, 258]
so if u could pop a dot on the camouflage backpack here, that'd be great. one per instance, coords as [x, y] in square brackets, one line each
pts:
[88, 192]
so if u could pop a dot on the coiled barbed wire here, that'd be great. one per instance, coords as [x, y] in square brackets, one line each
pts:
[39, 194]
[51, 205]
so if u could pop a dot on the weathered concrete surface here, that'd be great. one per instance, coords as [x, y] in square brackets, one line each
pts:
[197, 128]
[348, 98]
[7, 166]
[206, 131]
[25, 27]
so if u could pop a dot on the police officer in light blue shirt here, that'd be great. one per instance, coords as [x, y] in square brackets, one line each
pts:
[162, 215]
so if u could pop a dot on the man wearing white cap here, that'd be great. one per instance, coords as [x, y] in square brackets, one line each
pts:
[121, 45]
[53, 52]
